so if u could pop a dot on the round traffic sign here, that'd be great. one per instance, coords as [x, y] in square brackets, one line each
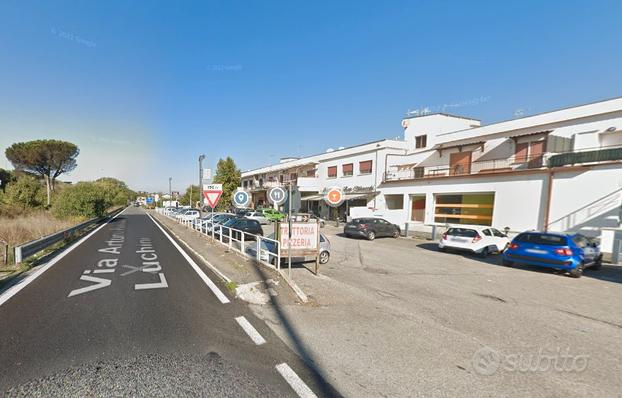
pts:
[241, 199]
[334, 196]
[277, 196]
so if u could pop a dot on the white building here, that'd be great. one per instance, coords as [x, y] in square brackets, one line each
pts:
[559, 170]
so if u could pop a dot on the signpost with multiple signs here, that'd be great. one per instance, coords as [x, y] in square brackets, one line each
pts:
[212, 194]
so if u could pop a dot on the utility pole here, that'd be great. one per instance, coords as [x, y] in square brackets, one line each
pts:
[170, 194]
[201, 157]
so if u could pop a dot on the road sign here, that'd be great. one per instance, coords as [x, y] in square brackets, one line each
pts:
[157, 197]
[241, 199]
[277, 196]
[149, 200]
[207, 174]
[334, 196]
[212, 193]
[175, 194]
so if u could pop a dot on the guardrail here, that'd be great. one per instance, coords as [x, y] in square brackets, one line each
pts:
[249, 245]
[28, 249]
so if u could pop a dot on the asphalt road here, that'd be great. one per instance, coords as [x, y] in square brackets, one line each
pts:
[125, 314]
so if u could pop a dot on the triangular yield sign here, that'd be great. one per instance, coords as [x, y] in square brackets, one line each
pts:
[212, 197]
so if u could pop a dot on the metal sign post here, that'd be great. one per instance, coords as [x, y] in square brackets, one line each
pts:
[289, 231]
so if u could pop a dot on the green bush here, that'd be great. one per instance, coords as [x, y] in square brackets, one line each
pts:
[85, 199]
[24, 193]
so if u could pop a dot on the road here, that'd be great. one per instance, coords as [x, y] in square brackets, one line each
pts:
[125, 312]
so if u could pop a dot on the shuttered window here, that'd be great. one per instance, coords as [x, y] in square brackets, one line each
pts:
[348, 169]
[365, 167]
[332, 172]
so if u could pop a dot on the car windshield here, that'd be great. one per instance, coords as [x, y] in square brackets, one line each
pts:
[542, 239]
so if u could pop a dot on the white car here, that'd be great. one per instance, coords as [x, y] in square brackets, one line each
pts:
[258, 216]
[189, 215]
[474, 238]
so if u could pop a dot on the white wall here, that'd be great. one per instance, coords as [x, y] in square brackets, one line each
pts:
[433, 125]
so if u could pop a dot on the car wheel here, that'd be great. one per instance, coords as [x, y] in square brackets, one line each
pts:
[396, 234]
[322, 224]
[371, 235]
[324, 257]
[597, 263]
[507, 263]
[485, 251]
[577, 272]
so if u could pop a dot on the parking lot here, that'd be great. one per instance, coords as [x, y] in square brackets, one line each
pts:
[425, 323]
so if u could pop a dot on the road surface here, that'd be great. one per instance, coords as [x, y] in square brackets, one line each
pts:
[126, 312]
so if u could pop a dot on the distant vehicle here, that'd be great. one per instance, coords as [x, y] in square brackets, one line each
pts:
[371, 228]
[189, 215]
[477, 239]
[238, 225]
[571, 253]
[305, 217]
[243, 211]
[136, 204]
[270, 246]
[258, 216]
[273, 214]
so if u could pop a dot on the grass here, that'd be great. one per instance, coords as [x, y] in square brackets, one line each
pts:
[231, 285]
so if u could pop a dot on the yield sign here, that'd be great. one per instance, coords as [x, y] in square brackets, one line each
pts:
[212, 193]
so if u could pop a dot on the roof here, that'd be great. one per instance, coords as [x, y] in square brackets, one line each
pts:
[441, 114]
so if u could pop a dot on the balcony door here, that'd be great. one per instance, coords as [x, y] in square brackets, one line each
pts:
[459, 163]
[536, 150]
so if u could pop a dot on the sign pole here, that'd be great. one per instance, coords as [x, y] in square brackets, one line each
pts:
[317, 256]
[289, 231]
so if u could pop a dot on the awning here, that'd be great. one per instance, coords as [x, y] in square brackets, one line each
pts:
[312, 197]
[350, 196]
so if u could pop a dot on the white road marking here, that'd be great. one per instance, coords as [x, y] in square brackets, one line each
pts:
[221, 296]
[22, 284]
[294, 381]
[159, 285]
[250, 330]
[98, 283]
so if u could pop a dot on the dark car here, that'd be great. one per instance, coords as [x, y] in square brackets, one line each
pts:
[235, 225]
[371, 228]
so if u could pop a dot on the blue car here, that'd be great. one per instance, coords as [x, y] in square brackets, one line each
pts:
[571, 253]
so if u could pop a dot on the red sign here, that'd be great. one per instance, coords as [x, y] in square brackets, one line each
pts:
[212, 197]
[334, 196]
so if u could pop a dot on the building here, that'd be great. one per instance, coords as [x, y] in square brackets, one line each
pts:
[559, 170]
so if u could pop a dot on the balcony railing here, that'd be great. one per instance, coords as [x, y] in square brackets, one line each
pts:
[513, 163]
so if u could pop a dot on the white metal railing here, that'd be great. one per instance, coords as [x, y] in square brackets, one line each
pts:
[247, 244]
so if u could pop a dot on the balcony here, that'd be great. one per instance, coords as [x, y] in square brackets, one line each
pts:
[513, 163]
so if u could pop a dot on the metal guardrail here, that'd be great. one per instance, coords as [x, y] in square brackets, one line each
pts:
[28, 249]
[247, 244]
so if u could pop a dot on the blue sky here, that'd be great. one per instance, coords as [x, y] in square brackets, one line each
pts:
[144, 87]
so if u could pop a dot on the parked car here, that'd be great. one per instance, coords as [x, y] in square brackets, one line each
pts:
[371, 228]
[238, 225]
[477, 239]
[258, 216]
[216, 221]
[243, 211]
[304, 217]
[567, 252]
[270, 246]
[189, 215]
[273, 214]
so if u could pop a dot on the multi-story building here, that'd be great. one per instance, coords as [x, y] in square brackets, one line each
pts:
[559, 170]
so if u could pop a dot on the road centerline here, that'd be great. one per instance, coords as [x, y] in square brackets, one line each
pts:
[294, 381]
[250, 330]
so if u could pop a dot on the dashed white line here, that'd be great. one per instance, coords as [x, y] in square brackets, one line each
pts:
[294, 381]
[250, 330]
[16, 288]
[219, 294]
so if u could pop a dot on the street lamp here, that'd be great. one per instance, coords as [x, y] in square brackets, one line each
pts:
[201, 157]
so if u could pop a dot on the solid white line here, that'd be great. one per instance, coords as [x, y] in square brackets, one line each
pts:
[221, 296]
[294, 381]
[22, 284]
[250, 330]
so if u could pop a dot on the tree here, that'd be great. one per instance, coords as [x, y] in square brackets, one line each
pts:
[227, 174]
[23, 193]
[46, 158]
[85, 199]
[6, 176]
[116, 192]
[185, 198]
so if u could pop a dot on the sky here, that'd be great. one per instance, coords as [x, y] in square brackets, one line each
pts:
[145, 87]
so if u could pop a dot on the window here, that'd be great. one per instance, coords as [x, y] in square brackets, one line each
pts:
[418, 172]
[471, 208]
[348, 169]
[421, 141]
[497, 233]
[542, 239]
[365, 167]
[311, 173]
[394, 202]
[460, 163]
[332, 172]
[487, 232]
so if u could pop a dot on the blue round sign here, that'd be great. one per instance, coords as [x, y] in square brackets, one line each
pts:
[277, 196]
[241, 199]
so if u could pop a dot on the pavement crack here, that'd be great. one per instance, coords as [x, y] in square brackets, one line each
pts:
[590, 318]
